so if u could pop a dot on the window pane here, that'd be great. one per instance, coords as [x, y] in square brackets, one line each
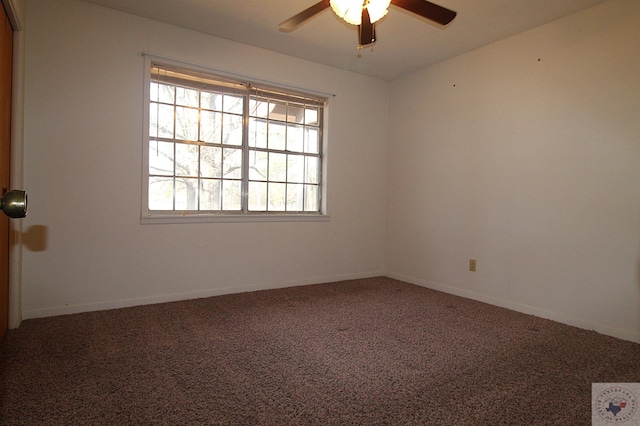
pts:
[295, 197]
[153, 92]
[232, 129]
[277, 111]
[231, 195]
[160, 193]
[210, 194]
[186, 123]
[295, 138]
[234, 104]
[277, 167]
[295, 168]
[161, 158]
[232, 163]
[258, 108]
[312, 174]
[311, 201]
[210, 127]
[311, 116]
[211, 100]
[161, 120]
[258, 165]
[277, 196]
[186, 160]
[295, 114]
[153, 120]
[187, 97]
[257, 133]
[166, 93]
[312, 141]
[277, 132]
[186, 194]
[257, 196]
[210, 162]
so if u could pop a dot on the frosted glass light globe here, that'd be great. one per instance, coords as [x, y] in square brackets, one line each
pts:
[351, 10]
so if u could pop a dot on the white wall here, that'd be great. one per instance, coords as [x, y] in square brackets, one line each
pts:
[525, 155]
[82, 163]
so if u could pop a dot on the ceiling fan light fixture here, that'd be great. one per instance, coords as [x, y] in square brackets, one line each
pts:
[351, 10]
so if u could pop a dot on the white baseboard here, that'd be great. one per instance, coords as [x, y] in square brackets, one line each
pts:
[631, 335]
[198, 294]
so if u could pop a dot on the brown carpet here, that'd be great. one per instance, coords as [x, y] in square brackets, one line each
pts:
[364, 352]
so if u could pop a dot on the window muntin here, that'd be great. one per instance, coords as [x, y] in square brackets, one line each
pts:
[220, 146]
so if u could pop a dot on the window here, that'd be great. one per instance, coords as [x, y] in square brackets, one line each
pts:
[222, 147]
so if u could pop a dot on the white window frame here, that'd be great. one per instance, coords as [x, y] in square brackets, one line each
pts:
[173, 216]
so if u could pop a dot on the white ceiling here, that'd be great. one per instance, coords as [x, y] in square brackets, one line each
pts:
[406, 42]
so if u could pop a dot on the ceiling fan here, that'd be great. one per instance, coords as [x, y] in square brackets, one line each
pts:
[365, 13]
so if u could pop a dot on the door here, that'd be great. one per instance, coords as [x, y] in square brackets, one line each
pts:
[6, 66]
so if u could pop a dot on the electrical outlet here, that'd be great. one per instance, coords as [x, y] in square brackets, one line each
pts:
[472, 265]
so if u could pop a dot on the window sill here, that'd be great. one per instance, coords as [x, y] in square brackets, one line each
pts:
[231, 218]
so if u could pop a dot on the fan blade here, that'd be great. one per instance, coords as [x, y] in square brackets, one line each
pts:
[428, 10]
[366, 30]
[299, 19]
